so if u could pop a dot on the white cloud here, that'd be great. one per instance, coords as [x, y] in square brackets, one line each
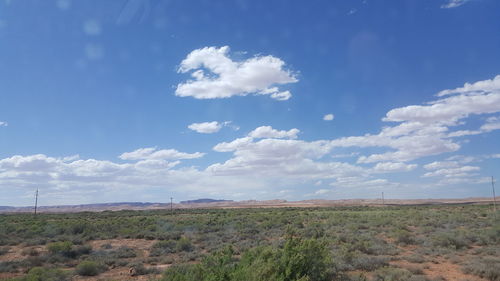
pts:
[227, 78]
[455, 161]
[3, 124]
[328, 117]
[269, 132]
[263, 154]
[488, 85]
[437, 165]
[321, 191]
[449, 110]
[423, 129]
[492, 123]
[453, 4]
[92, 27]
[212, 127]
[150, 153]
[281, 96]
[267, 159]
[206, 127]
[463, 171]
[411, 140]
[394, 167]
[457, 180]
[360, 182]
[495, 155]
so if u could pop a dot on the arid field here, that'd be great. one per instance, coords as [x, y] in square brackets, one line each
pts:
[428, 242]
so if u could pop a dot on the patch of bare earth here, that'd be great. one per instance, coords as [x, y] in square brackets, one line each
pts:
[439, 268]
[119, 273]
[15, 253]
[142, 246]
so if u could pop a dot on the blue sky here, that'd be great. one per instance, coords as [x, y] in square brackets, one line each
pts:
[141, 100]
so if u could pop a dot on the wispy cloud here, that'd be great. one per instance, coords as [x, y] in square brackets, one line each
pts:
[3, 124]
[211, 127]
[328, 117]
[453, 4]
[163, 154]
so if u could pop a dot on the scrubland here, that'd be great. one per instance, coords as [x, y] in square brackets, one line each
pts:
[445, 242]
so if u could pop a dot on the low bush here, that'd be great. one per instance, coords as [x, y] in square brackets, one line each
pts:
[369, 263]
[44, 274]
[403, 236]
[184, 245]
[90, 268]
[415, 258]
[9, 266]
[392, 274]
[64, 248]
[68, 250]
[124, 252]
[297, 260]
[162, 248]
[487, 267]
[450, 240]
[30, 252]
[4, 250]
[137, 269]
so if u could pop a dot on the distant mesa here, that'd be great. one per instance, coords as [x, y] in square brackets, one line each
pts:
[204, 200]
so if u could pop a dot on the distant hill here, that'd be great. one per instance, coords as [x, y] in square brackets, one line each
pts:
[204, 200]
[214, 203]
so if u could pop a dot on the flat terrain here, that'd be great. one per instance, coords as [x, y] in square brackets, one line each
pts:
[390, 242]
[278, 203]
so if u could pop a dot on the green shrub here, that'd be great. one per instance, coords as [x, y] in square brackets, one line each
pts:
[415, 258]
[89, 268]
[369, 263]
[81, 250]
[124, 252]
[298, 259]
[403, 236]
[162, 248]
[68, 250]
[392, 274]
[487, 267]
[9, 266]
[4, 250]
[63, 248]
[137, 269]
[45, 274]
[184, 245]
[450, 240]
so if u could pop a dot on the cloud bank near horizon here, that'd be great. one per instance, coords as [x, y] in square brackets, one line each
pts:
[266, 161]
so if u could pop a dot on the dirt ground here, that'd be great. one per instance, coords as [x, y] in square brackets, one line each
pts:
[433, 268]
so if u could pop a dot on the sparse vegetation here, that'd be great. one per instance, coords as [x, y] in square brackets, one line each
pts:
[89, 268]
[341, 243]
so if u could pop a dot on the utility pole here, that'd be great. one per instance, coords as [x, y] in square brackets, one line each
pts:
[171, 206]
[383, 200]
[494, 197]
[36, 200]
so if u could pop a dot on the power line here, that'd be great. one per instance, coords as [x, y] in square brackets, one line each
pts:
[494, 197]
[36, 200]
